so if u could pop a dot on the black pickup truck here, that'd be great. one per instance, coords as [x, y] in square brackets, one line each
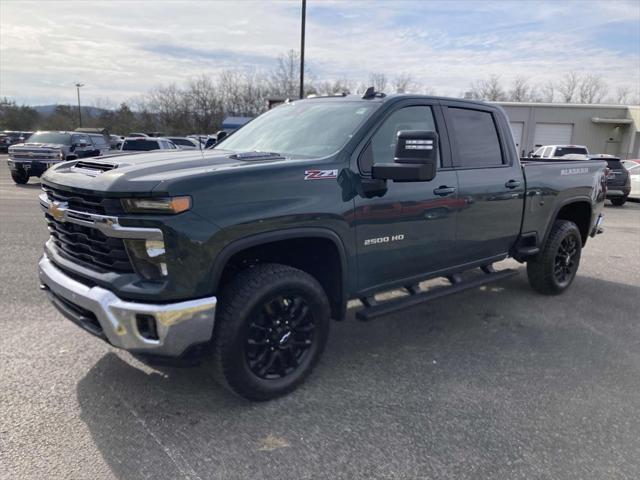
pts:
[242, 254]
[46, 148]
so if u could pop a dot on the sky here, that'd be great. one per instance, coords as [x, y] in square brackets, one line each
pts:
[121, 49]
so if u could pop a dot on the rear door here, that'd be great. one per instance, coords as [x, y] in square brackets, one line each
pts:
[411, 229]
[491, 186]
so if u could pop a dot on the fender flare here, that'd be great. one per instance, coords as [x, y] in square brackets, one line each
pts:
[560, 206]
[244, 243]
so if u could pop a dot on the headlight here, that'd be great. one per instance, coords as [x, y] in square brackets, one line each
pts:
[148, 257]
[169, 205]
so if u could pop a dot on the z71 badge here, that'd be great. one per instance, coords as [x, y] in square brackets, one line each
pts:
[320, 174]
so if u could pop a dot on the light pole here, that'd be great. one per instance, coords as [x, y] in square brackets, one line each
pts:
[304, 17]
[78, 85]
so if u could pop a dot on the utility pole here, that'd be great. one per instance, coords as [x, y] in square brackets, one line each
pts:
[78, 85]
[304, 17]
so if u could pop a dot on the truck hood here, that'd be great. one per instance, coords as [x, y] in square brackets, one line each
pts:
[140, 173]
[27, 147]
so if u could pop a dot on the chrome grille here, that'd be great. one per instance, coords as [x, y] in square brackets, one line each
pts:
[89, 246]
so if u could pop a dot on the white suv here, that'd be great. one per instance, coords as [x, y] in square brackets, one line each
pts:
[146, 144]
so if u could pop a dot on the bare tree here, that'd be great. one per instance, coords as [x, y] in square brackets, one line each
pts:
[379, 81]
[334, 87]
[520, 90]
[568, 87]
[204, 104]
[623, 93]
[592, 89]
[548, 92]
[490, 89]
[404, 83]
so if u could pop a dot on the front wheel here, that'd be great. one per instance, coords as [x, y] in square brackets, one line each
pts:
[271, 328]
[20, 176]
[554, 268]
[619, 201]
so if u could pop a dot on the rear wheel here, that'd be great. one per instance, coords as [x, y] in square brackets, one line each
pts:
[554, 268]
[19, 176]
[619, 201]
[271, 328]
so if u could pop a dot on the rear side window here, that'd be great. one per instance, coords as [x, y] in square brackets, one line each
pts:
[614, 163]
[474, 137]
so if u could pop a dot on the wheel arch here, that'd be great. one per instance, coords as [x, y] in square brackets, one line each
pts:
[317, 251]
[576, 210]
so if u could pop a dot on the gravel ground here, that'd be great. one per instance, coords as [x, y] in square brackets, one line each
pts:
[497, 382]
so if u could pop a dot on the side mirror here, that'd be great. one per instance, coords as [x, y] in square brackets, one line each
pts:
[416, 158]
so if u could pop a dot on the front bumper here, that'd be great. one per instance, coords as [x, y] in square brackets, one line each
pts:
[178, 326]
[34, 168]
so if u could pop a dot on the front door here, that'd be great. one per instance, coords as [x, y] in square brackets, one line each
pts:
[411, 229]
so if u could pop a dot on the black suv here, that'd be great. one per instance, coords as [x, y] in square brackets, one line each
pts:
[618, 180]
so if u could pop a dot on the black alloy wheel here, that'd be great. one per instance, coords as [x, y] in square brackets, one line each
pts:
[271, 326]
[565, 263]
[280, 335]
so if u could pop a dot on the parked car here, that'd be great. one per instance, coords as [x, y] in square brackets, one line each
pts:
[46, 148]
[248, 250]
[116, 141]
[146, 144]
[634, 177]
[618, 180]
[560, 151]
[10, 137]
[186, 143]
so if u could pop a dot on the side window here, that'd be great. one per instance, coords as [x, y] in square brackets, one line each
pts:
[474, 138]
[538, 152]
[547, 152]
[382, 147]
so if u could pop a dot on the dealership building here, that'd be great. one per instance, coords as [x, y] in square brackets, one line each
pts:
[611, 129]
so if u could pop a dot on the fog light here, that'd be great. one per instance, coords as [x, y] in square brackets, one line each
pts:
[147, 326]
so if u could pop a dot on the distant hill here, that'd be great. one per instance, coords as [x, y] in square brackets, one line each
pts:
[47, 110]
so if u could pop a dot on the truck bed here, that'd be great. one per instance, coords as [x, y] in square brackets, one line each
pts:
[550, 184]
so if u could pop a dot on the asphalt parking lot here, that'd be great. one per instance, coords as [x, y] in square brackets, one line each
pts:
[497, 382]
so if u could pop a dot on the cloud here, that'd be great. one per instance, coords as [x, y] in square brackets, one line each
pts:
[120, 50]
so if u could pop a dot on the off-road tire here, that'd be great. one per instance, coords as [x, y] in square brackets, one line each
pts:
[618, 202]
[240, 303]
[541, 270]
[20, 177]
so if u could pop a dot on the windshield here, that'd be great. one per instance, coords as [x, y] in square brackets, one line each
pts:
[313, 128]
[140, 145]
[562, 151]
[51, 137]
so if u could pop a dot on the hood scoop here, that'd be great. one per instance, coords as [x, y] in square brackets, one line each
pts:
[93, 168]
[255, 156]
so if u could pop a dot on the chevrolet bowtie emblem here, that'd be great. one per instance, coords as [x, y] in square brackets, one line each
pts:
[56, 211]
[31, 154]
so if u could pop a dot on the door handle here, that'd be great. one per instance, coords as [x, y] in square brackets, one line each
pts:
[443, 191]
[512, 184]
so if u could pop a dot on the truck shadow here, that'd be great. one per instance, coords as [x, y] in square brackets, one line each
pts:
[178, 423]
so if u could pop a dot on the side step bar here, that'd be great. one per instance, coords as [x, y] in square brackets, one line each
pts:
[374, 309]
